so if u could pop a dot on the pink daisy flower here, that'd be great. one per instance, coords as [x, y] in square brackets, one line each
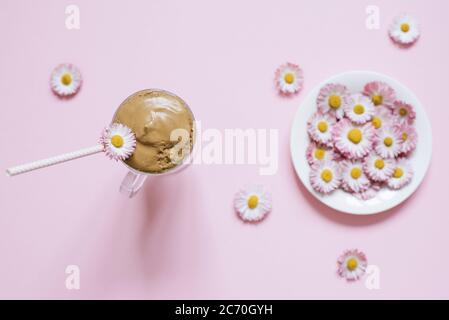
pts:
[332, 99]
[380, 93]
[352, 265]
[381, 118]
[404, 112]
[353, 177]
[369, 193]
[320, 128]
[404, 30]
[360, 110]
[316, 153]
[377, 168]
[289, 79]
[353, 141]
[409, 137]
[388, 143]
[325, 176]
[402, 175]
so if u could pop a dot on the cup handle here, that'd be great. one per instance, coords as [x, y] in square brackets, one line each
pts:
[132, 183]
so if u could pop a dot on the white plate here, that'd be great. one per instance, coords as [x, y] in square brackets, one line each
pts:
[385, 199]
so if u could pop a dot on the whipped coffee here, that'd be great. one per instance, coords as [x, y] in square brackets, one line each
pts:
[152, 115]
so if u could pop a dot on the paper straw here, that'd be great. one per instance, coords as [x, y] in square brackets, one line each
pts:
[54, 160]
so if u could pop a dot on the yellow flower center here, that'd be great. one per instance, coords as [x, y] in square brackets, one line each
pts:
[355, 135]
[403, 112]
[359, 109]
[289, 78]
[320, 153]
[322, 126]
[379, 164]
[253, 201]
[377, 122]
[377, 99]
[398, 173]
[352, 264]
[326, 175]
[356, 173]
[334, 101]
[117, 141]
[404, 136]
[388, 141]
[66, 79]
[405, 27]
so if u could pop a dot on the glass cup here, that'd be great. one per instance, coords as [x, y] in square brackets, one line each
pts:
[135, 179]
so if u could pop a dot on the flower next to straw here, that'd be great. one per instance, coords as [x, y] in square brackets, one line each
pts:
[119, 141]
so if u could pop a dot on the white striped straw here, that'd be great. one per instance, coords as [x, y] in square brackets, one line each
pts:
[54, 160]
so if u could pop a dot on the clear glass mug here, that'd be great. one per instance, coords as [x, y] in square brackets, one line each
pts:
[135, 179]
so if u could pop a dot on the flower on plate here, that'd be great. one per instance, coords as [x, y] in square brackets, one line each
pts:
[319, 127]
[377, 168]
[380, 93]
[119, 141]
[409, 137]
[65, 80]
[404, 30]
[404, 112]
[353, 141]
[388, 142]
[402, 174]
[325, 176]
[316, 153]
[352, 265]
[289, 79]
[253, 203]
[381, 118]
[369, 193]
[360, 110]
[353, 177]
[333, 98]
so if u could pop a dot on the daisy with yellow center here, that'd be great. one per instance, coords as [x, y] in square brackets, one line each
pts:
[409, 137]
[333, 99]
[351, 140]
[119, 141]
[353, 177]
[402, 175]
[378, 169]
[325, 176]
[360, 110]
[380, 94]
[388, 143]
[381, 118]
[352, 265]
[317, 152]
[65, 80]
[319, 127]
[404, 112]
[253, 203]
[404, 30]
[289, 79]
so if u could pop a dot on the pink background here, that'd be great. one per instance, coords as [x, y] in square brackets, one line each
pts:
[180, 238]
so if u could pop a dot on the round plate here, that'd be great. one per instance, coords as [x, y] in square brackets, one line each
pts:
[385, 199]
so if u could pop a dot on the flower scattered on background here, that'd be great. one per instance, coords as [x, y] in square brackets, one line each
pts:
[325, 176]
[352, 265]
[402, 174]
[65, 80]
[252, 204]
[404, 30]
[289, 79]
[119, 141]
[333, 99]
[319, 127]
[380, 93]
